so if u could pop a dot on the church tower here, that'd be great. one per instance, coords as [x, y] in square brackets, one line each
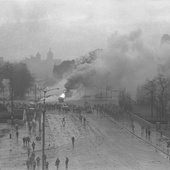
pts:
[50, 55]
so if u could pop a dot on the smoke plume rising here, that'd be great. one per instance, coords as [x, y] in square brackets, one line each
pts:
[127, 62]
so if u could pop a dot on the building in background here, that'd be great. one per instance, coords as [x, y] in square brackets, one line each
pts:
[42, 69]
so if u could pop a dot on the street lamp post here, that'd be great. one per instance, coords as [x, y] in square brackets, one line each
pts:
[43, 139]
[35, 94]
[12, 103]
[96, 91]
[43, 129]
[114, 91]
[36, 90]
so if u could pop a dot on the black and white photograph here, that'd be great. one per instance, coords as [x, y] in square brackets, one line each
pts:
[84, 85]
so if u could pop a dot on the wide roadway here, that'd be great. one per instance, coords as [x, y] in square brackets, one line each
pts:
[100, 144]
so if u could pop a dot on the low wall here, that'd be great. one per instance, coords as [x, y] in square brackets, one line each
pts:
[15, 121]
[17, 114]
[143, 122]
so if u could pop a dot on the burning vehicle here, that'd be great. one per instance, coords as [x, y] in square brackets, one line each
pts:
[61, 98]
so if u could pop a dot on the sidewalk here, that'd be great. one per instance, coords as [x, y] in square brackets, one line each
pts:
[155, 139]
[12, 151]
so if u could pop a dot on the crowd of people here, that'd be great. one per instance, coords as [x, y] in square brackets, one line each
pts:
[57, 163]
[31, 116]
[33, 161]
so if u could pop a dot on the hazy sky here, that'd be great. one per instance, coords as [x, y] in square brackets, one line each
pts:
[74, 27]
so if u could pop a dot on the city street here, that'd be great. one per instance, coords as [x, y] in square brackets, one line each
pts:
[84, 85]
[99, 144]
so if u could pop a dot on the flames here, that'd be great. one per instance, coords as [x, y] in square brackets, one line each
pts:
[62, 95]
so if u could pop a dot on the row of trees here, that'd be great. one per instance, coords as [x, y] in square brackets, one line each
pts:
[155, 92]
[19, 78]
[125, 100]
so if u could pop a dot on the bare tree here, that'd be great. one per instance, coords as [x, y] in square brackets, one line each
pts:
[125, 100]
[19, 76]
[162, 85]
[150, 87]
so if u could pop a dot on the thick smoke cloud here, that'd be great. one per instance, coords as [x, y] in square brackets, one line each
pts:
[83, 76]
[127, 62]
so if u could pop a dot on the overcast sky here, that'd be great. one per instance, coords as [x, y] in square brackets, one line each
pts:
[73, 27]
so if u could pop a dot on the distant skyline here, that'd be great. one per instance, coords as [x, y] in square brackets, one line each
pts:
[74, 27]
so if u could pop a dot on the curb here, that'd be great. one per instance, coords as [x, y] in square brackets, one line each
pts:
[123, 127]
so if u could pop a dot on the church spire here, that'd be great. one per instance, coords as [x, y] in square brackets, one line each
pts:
[50, 55]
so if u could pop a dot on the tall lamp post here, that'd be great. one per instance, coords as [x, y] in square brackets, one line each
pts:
[36, 90]
[11, 86]
[43, 129]
[114, 91]
[96, 90]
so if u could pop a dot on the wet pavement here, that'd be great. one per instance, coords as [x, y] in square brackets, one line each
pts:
[157, 140]
[102, 142]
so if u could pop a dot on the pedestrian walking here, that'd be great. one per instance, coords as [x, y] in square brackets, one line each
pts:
[161, 133]
[28, 151]
[30, 128]
[66, 162]
[168, 145]
[33, 155]
[28, 164]
[38, 161]
[149, 134]
[133, 128]
[16, 127]
[84, 121]
[45, 157]
[57, 163]
[142, 131]
[146, 131]
[17, 134]
[73, 139]
[46, 165]
[31, 161]
[81, 117]
[33, 145]
[63, 122]
[23, 139]
[10, 137]
[27, 140]
[34, 164]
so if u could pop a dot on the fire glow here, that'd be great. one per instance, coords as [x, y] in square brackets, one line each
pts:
[62, 95]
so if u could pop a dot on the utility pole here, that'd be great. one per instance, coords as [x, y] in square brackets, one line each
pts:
[37, 107]
[43, 140]
[106, 93]
[43, 128]
[35, 93]
[12, 104]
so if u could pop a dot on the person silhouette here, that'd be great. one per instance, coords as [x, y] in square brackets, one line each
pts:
[66, 162]
[73, 139]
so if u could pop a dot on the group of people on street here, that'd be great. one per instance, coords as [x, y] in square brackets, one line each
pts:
[32, 162]
[26, 140]
[82, 119]
[147, 132]
[57, 163]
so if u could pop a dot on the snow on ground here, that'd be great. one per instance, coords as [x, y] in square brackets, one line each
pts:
[100, 145]
[62, 135]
